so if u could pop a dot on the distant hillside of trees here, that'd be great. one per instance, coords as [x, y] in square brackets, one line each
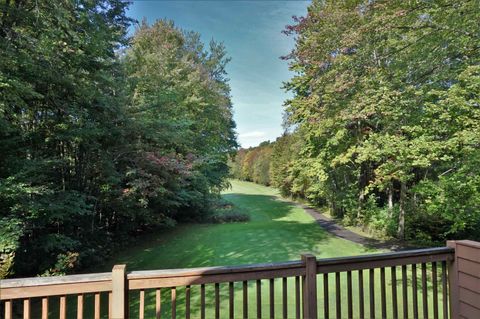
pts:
[103, 136]
[384, 119]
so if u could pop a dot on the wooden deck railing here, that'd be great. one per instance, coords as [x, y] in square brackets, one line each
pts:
[427, 283]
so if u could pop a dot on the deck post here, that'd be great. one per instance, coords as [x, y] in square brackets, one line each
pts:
[453, 282]
[465, 298]
[119, 292]
[310, 287]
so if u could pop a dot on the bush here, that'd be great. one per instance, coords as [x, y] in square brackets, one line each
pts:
[228, 217]
[225, 212]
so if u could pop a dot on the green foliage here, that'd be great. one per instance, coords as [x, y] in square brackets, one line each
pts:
[385, 116]
[102, 136]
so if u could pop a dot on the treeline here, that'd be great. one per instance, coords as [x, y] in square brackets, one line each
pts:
[385, 118]
[102, 136]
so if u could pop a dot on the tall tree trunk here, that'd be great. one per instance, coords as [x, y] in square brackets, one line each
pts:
[401, 216]
[362, 184]
[390, 200]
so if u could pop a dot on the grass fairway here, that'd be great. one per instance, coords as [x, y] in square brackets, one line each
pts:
[277, 231]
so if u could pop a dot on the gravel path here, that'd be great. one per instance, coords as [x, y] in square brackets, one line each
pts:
[338, 230]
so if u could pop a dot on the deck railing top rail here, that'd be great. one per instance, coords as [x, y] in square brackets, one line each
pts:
[35, 286]
[346, 263]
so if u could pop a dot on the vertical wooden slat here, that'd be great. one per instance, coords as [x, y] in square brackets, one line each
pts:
[284, 298]
[338, 297]
[26, 308]
[231, 299]
[187, 302]
[298, 302]
[110, 296]
[393, 273]
[326, 303]
[174, 302]
[404, 291]
[63, 307]
[217, 300]
[8, 309]
[361, 298]
[383, 292]
[245, 299]
[45, 308]
[272, 298]
[435, 290]
[424, 291]
[444, 289]
[80, 307]
[414, 291]
[202, 301]
[97, 306]
[141, 305]
[158, 303]
[259, 298]
[349, 294]
[371, 285]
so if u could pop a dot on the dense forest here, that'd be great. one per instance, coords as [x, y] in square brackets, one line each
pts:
[103, 135]
[384, 125]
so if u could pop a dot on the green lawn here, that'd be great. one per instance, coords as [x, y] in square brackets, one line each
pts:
[277, 231]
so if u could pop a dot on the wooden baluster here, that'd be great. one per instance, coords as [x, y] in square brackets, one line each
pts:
[63, 307]
[272, 298]
[298, 302]
[435, 290]
[424, 291]
[338, 296]
[187, 302]
[404, 291]
[259, 298]
[217, 300]
[231, 297]
[97, 306]
[8, 309]
[141, 309]
[414, 291]
[326, 303]
[361, 298]
[45, 308]
[80, 306]
[383, 292]
[371, 285]
[444, 290]
[202, 301]
[245, 299]
[349, 294]
[26, 308]
[394, 292]
[158, 303]
[284, 298]
[174, 302]
[110, 297]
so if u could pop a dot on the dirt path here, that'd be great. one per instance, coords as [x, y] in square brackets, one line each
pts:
[338, 230]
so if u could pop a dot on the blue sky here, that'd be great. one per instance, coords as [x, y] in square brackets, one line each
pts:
[251, 31]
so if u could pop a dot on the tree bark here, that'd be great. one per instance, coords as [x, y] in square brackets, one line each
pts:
[401, 216]
[390, 200]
